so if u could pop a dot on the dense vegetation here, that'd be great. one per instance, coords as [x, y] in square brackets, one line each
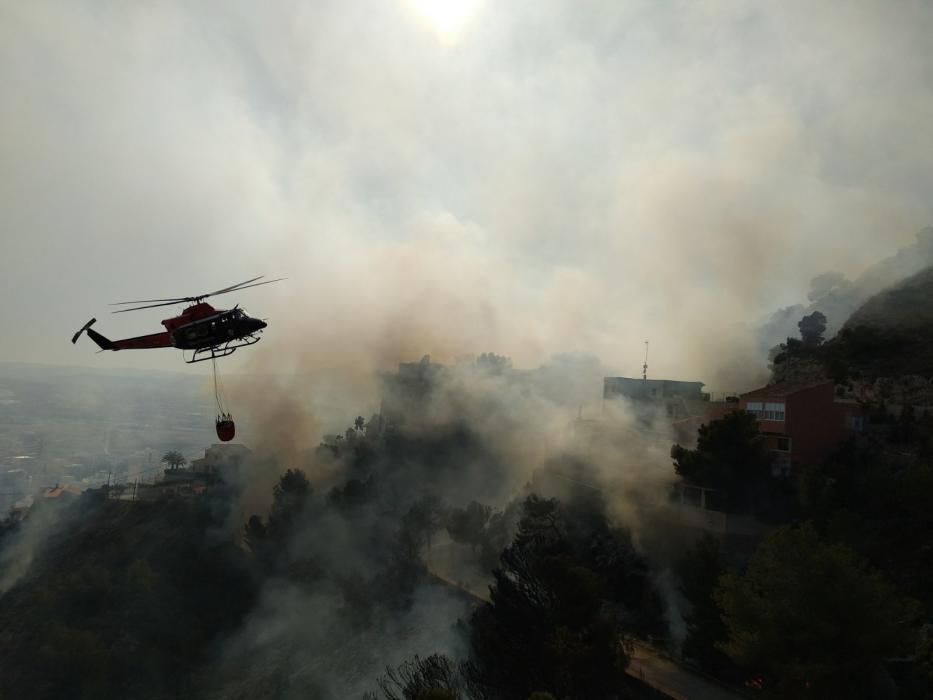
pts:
[835, 602]
[137, 599]
[123, 599]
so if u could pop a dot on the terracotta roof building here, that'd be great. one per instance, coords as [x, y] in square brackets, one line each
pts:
[802, 424]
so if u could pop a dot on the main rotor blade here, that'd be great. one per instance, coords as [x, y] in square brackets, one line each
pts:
[151, 301]
[237, 289]
[184, 299]
[228, 289]
[174, 302]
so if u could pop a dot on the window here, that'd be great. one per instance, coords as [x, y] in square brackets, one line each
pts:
[774, 411]
[781, 467]
[766, 411]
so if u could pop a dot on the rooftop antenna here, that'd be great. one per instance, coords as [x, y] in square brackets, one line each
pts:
[644, 367]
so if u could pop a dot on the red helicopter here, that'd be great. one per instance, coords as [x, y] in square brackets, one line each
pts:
[207, 332]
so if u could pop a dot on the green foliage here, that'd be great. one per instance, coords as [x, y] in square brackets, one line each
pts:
[876, 497]
[290, 498]
[700, 571]
[468, 525]
[922, 680]
[494, 364]
[255, 532]
[810, 615]
[437, 694]
[553, 622]
[812, 328]
[124, 599]
[424, 518]
[435, 677]
[354, 494]
[867, 352]
[730, 456]
[174, 459]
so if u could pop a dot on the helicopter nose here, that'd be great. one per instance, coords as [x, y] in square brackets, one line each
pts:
[256, 325]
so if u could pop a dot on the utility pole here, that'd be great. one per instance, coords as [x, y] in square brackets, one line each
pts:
[644, 367]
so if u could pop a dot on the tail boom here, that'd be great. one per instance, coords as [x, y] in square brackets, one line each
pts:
[142, 342]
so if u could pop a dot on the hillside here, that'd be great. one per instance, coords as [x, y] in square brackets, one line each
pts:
[890, 335]
[884, 351]
[906, 305]
[838, 298]
[122, 599]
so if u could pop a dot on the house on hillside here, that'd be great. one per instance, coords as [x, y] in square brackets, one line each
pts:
[652, 389]
[60, 494]
[219, 463]
[219, 458]
[803, 424]
[683, 403]
[678, 400]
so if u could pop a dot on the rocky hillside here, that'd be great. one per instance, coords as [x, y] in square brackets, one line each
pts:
[905, 306]
[884, 351]
[887, 344]
[838, 298]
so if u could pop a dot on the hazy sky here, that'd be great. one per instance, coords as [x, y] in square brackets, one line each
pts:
[454, 176]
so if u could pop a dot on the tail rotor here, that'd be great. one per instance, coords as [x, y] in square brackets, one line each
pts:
[74, 338]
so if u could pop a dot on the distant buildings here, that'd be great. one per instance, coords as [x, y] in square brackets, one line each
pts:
[683, 404]
[801, 424]
[406, 394]
[15, 485]
[418, 392]
[652, 389]
[676, 399]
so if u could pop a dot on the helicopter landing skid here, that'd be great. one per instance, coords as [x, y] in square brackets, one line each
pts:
[224, 350]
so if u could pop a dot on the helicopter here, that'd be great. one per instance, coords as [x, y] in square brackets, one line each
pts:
[206, 332]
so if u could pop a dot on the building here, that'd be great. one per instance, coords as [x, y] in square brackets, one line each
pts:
[221, 462]
[61, 494]
[407, 394]
[15, 484]
[702, 510]
[683, 404]
[652, 389]
[802, 424]
[219, 458]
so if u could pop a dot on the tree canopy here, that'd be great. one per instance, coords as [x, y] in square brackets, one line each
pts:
[809, 615]
[812, 328]
[700, 571]
[174, 459]
[730, 455]
[554, 622]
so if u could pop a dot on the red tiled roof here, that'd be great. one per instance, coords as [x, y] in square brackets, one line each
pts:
[784, 389]
[59, 491]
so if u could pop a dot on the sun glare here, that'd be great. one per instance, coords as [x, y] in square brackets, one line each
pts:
[445, 17]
